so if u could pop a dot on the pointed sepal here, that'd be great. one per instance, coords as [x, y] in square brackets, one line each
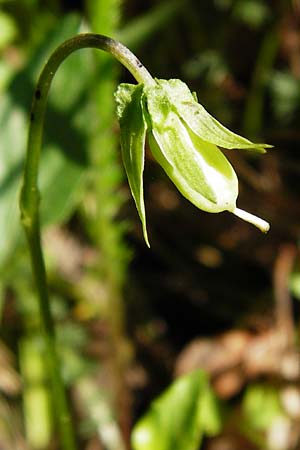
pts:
[201, 122]
[133, 126]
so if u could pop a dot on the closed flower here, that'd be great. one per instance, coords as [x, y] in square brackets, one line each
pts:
[184, 139]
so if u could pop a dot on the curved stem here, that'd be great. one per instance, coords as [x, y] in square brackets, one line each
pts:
[89, 40]
[29, 202]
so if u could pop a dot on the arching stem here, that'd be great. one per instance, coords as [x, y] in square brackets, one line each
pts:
[29, 203]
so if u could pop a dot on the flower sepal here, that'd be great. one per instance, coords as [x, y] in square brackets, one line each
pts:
[133, 127]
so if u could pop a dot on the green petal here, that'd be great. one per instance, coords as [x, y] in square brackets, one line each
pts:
[198, 168]
[201, 122]
[133, 134]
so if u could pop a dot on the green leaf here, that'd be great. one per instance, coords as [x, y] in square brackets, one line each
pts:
[8, 30]
[261, 405]
[254, 13]
[294, 283]
[201, 122]
[133, 134]
[176, 420]
[285, 92]
[12, 138]
[140, 28]
[211, 413]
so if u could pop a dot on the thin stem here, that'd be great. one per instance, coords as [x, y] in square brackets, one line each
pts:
[29, 202]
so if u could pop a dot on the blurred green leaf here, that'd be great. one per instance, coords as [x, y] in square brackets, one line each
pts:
[141, 28]
[6, 72]
[36, 405]
[285, 91]
[294, 283]
[255, 103]
[8, 30]
[252, 12]
[33, 366]
[261, 405]
[36, 399]
[211, 413]
[208, 64]
[67, 121]
[178, 419]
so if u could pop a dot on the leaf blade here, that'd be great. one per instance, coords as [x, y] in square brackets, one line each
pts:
[174, 420]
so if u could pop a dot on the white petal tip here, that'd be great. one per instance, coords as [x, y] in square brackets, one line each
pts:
[257, 221]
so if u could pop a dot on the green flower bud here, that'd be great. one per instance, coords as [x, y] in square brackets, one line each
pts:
[183, 138]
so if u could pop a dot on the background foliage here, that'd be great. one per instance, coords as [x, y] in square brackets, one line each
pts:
[213, 299]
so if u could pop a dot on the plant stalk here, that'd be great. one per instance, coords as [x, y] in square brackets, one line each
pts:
[29, 204]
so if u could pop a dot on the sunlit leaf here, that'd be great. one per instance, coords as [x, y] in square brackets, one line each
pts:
[178, 419]
[8, 29]
[261, 405]
[294, 284]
